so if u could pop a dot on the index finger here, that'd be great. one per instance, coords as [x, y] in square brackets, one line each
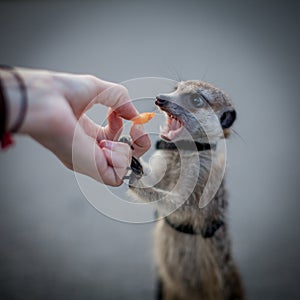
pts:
[117, 97]
[82, 91]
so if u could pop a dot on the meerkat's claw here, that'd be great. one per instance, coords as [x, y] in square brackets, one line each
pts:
[137, 171]
[125, 139]
[135, 166]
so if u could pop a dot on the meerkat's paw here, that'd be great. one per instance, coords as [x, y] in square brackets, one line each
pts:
[135, 166]
[137, 172]
[125, 139]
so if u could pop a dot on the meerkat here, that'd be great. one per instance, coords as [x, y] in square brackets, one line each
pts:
[192, 247]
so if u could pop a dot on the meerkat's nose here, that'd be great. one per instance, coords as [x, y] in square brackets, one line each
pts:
[161, 100]
[227, 118]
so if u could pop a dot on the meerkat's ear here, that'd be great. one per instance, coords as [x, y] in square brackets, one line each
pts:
[227, 118]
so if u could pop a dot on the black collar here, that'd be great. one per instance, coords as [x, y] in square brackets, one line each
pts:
[184, 145]
[188, 228]
[208, 232]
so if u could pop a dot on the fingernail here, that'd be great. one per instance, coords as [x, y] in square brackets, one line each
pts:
[106, 144]
[140, 128]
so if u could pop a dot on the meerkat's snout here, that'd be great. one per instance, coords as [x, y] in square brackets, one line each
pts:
[175, 124]
[161, 100]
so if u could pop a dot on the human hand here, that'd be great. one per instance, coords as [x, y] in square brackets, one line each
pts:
[58, 101]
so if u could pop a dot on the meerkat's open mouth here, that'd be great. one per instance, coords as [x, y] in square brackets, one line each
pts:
[172, 128]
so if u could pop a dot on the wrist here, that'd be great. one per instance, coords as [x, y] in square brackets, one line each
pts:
[12, 97]
[16, 101]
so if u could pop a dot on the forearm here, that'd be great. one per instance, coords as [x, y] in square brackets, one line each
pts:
[11, 99]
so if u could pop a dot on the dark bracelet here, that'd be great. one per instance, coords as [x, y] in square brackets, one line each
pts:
[24, 99]
[3, 111]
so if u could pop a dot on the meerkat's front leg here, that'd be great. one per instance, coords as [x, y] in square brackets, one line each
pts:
[146, 193]
[136, 184]
[212, 216]
[140, 190]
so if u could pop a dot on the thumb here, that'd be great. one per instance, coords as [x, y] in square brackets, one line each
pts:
[140, 140]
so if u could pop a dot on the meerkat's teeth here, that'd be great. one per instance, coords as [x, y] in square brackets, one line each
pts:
[172, 127]
[173, 122]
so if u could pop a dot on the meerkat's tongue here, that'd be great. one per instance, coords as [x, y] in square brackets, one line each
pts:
[172, 129]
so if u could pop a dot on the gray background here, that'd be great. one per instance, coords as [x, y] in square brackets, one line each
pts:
[53, 243]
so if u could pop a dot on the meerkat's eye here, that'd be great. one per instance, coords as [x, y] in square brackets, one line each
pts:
[197, 101]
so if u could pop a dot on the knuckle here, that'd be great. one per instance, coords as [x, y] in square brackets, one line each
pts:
[122, 91]
[144, 143]
[111, 182]
[118, 178]
[91, 78]
[118, 182]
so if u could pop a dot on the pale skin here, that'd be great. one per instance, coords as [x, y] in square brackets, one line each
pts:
[57, 101]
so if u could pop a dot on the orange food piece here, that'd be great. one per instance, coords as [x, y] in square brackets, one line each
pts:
[143, 118]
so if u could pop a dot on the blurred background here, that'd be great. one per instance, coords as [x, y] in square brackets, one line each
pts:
[53, 243]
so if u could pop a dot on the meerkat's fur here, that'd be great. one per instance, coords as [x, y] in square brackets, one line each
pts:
[200, 265]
